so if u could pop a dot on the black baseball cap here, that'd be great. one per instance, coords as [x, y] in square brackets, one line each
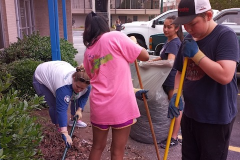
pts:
[189, 9]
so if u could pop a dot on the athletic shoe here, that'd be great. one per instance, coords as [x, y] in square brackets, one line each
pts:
[78, 124]
[180, 141]
[173, 142]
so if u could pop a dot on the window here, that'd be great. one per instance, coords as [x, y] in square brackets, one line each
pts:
[162, 19]
[25, 17]
[123, 19]
[1, 31]
[135, 18]
[229, 18]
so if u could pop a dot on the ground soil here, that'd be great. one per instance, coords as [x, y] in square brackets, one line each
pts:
[52, 146]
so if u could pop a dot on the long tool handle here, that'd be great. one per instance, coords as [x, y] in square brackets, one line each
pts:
[71, 133]
[148, 113]
[176, 104]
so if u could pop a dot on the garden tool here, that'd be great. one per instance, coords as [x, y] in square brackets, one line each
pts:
[147, 111]
[176, 104]
[75, 118]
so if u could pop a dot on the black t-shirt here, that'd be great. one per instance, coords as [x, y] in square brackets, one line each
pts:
[206, 100]
[170, 47]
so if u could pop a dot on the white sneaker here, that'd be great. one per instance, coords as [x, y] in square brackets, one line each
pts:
[78, 124]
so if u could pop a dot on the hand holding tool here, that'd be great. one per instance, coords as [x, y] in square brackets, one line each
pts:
[67, 139]
[173, 111]
[147, 111]
[140, 92]
[176, 104]
[75, 118]
[79, 113]
[190, 49]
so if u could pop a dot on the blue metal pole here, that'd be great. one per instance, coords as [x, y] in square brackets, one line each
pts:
[64, 19]
[54, 29]
[57, 29]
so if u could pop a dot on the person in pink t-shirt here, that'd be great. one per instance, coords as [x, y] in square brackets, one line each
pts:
[112, 99]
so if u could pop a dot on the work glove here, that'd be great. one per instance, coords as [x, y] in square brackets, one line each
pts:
[139, 92]
[173, 111]
[78, 114]
[133, 39]
[67, 139]
[190, 49]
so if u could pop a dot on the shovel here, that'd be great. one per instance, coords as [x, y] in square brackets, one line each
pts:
[75, 118]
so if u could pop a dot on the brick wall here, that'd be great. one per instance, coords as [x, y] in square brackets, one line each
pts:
[10, 21]
[42, 19]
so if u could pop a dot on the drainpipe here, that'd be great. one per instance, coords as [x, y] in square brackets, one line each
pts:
[64, 19]
[161, 6]
[54, 29]
[93, 6]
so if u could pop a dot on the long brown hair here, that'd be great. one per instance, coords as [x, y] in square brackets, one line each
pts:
[95, 25]
[179, 32]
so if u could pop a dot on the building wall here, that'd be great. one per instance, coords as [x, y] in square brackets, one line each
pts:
[118, 8]
[11, 21]
[4, 23]
[79, 20]
[42, 19]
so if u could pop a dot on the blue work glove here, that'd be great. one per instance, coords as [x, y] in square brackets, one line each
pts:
[173, 111]
[139, 93]
[190, 49]
[67, 139]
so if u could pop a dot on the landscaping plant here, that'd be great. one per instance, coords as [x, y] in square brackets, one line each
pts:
[38, 48]
[19, 134]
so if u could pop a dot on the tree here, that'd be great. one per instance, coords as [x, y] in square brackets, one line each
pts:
[224, 4]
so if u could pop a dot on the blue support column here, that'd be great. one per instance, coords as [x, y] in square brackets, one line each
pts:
[64, 19]
[54, 29]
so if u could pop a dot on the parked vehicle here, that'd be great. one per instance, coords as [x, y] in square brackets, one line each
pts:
[229, 17]
[143, 29]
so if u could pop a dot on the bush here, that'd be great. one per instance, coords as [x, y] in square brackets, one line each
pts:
[23, 71]
[19, 134]
[38, 48]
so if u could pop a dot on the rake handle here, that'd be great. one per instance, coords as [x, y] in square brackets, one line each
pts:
[147, 110]
[176, 104]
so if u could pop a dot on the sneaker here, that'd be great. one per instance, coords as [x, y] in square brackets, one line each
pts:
[78, 124]
[180, 141]
[173, 142]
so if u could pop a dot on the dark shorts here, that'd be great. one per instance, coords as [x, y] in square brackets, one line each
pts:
[117, 126]
[203, 141]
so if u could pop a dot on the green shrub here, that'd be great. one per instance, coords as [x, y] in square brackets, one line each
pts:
[38, 48]
[23, 71]
[19, 133]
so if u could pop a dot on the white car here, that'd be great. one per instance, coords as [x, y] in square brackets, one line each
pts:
[142, 30]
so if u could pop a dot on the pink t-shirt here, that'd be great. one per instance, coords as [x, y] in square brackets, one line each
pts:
[112, 99]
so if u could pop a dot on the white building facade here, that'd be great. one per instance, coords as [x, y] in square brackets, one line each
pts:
[125, 10]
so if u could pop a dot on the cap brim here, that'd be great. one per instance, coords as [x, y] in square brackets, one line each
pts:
[184, 19]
